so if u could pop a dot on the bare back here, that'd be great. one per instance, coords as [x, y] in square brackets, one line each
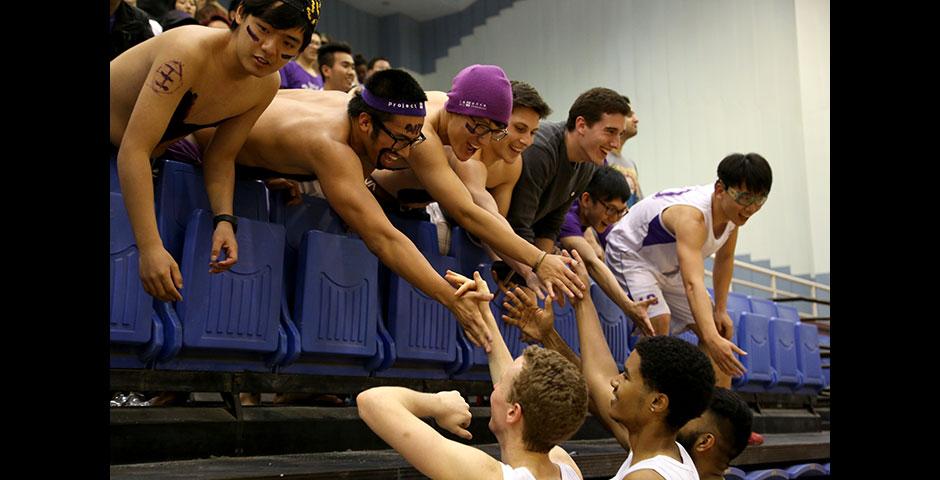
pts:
[295, 122]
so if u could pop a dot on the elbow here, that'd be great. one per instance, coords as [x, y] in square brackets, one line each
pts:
[364, 403]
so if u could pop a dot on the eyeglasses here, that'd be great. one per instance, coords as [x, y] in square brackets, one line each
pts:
[480, 130]
[746, 199]
[613, 211]
[401, 142]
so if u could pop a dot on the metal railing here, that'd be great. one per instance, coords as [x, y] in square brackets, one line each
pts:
[776, 292]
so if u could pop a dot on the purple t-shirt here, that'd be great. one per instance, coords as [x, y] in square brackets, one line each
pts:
[294, 76]
[572, 226]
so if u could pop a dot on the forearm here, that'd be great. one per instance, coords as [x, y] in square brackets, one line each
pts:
[137, 189]
[553, 341]
[498, 358]
[400, 255]
[701, 307]
[381, 404]
[545, 244]
[721, 281]
[604, 278]
[596, 359]
[497, 234]
[220, 182]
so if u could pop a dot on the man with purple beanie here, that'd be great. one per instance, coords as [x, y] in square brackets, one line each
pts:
[474, 113]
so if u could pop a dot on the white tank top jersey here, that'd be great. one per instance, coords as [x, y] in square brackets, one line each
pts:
[663, 465]
[522, 473]
[641, 235]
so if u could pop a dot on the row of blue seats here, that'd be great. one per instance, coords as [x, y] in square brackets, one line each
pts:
[783, 352]
[804, 470]
[307, 296]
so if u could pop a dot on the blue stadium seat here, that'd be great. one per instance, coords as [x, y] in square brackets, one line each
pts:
[135, 329]
[425, 333]
[336, 308]
[826, 466]
[230, 320]
[614, 323]
[762, 306]
[738, 302]
[689, 336]
[180, 189]
[312, 214]
[469, 253]
[733, 473]
[567, 325]
[808, 359]
[786, 312]
[783, 356]
[807, 470]
[115, 182]
[769, 474]
[754, 338]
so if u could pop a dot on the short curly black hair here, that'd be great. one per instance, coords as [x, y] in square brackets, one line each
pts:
[733, 418]
[679, 370]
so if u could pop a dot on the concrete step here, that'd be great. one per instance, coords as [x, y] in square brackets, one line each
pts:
[595, 458]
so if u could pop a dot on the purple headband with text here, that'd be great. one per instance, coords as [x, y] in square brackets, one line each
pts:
[395, 107]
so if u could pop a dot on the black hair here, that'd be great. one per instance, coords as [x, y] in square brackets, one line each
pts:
[393, 84]
[734, 420]
[594, 103]
[680, 371]
[372, 62]
[281, 16]
[525, 95]
[608, 183]
[327, 53]
[749, 171]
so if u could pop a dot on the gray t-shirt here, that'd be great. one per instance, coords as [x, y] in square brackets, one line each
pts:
[548, 184]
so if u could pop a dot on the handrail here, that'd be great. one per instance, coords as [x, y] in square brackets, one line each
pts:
[776, 294]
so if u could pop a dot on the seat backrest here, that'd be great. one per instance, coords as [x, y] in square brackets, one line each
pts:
[131, 306]
[763, 306]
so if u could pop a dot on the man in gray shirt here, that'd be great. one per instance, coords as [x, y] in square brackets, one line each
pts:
[559, 165]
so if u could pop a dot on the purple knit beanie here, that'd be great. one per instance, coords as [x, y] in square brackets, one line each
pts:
[481, 91]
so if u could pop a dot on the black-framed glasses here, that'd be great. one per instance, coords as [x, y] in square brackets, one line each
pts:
[746, 199]
[481, 130]
[612, 210]
[401, 142]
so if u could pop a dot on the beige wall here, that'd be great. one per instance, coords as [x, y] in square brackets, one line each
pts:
[706, 78]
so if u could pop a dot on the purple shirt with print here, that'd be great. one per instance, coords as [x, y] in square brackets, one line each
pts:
[294, 76]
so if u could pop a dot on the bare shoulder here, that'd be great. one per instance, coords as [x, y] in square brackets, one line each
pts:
[645, 474]
[559, 455]
[504, 172]
[682, 214]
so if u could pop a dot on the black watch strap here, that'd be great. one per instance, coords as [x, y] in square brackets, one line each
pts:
[226, 218]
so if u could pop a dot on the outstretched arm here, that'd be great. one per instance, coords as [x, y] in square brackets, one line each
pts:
[431, 167]
[608, 283]
[393, 414]
[597, 363]
[346, 192]
[688, 223]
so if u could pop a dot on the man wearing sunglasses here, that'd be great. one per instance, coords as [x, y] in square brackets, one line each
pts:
[339, 139]
[657, 252]
[475, 113]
